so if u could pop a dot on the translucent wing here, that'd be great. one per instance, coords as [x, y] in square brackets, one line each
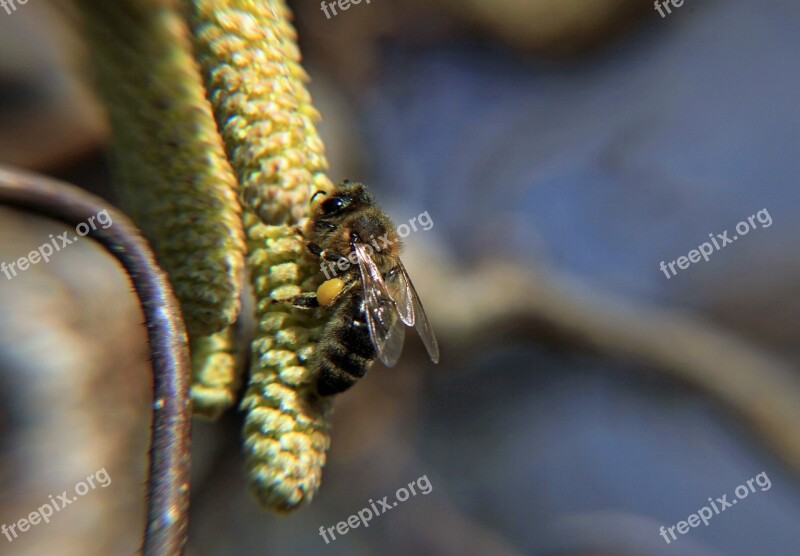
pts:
[385, 326]
[419, 319]
[397, 286]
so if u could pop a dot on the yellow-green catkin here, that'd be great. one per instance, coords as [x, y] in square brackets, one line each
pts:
[216, 362]
[175, 180]
[251, 63]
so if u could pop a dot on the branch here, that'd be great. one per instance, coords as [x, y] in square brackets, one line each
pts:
[168, 479]
[758, 388]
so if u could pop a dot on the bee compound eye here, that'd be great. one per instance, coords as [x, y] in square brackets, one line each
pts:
[333, 205]
[329, 290]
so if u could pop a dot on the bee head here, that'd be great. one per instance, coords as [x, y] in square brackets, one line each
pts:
[346, 197]
[348, 215]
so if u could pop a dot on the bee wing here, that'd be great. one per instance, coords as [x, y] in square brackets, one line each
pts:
[418, 316]
[385, 326]
[402, 295]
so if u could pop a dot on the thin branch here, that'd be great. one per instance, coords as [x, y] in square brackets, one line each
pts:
[506, 300]
[168, 479]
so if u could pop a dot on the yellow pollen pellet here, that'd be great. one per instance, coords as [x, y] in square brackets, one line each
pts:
[328, 291]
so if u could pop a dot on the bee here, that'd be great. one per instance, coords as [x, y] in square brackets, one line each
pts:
[371, 295]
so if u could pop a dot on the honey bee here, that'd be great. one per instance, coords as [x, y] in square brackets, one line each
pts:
[371, 295]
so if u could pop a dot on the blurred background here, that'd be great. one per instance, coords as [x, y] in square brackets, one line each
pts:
[566, 146]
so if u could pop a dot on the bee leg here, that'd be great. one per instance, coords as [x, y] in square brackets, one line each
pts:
[323, 254]
[314, 248]
[328, 292]
[301, 301]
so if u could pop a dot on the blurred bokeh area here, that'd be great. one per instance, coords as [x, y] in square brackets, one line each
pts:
[585, 397]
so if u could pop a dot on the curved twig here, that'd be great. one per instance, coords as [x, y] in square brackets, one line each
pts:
[760, 389]
[168, 479]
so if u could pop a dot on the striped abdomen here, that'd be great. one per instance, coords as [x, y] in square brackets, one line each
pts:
[345, 352]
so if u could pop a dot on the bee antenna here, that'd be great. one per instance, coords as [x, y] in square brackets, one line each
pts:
[317, 193]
